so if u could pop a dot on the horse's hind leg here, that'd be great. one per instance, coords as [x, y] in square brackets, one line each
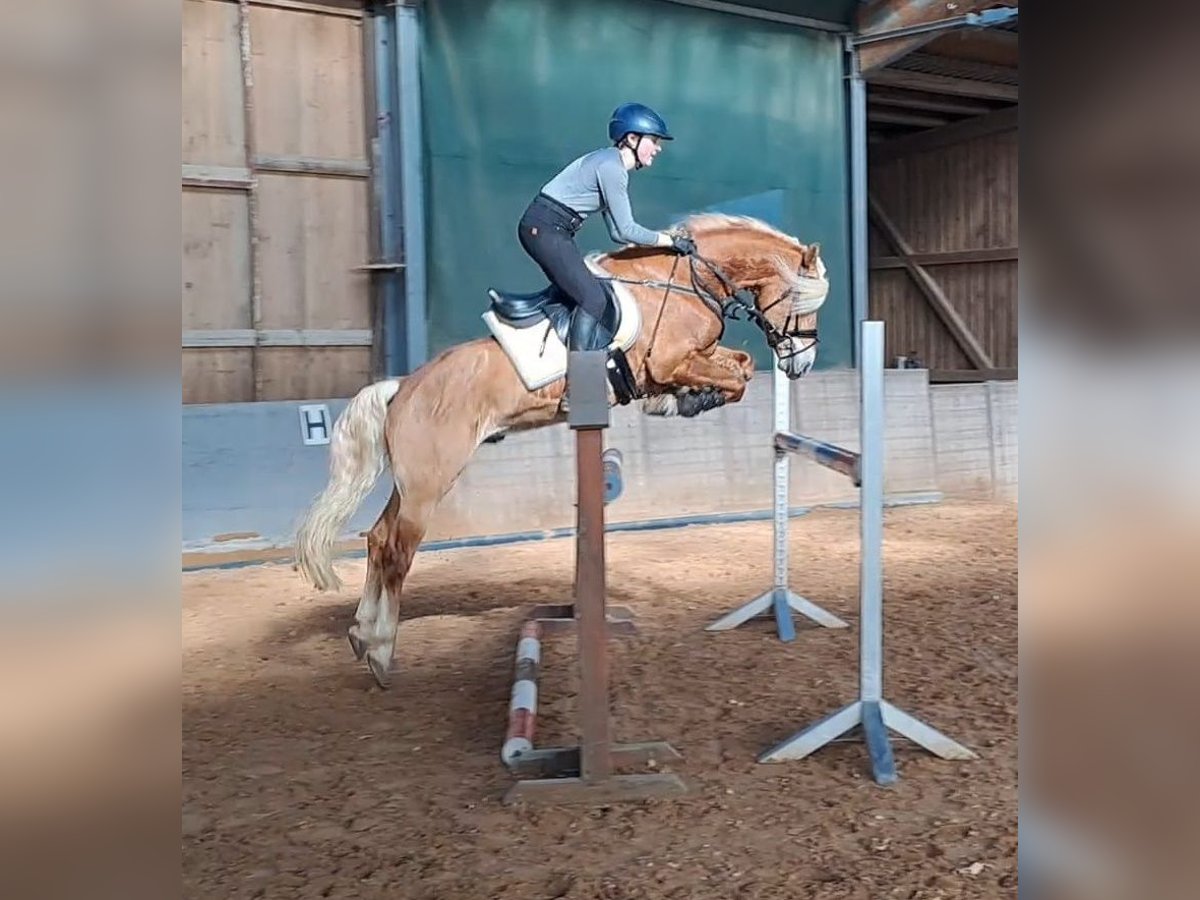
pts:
[432, 431]
[404, 533]
[426, 470]
[368, 607]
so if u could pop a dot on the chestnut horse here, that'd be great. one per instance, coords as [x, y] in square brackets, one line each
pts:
[427, 425]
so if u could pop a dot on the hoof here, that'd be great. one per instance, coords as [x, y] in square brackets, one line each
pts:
[692, 403]
[357, 645]
[383, 677]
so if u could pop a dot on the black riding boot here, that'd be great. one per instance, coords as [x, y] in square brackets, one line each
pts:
[589, 333]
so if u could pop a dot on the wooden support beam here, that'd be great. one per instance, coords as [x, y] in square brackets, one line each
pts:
[988, 45]
[930, 288]
[927, 102]
[887, 15]
[901, 117]
[956, 133]
[350, 9]
[307, 165]
[944, 84]
[970, 69]
[950, 376]
[236, 178]
[278, 337]
[873, 57]
[884, 15]
[946, 258]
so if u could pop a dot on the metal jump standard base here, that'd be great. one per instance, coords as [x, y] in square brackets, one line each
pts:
[870, 711]
[781, 600]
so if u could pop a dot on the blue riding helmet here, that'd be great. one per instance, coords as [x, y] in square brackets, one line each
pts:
[639, 119]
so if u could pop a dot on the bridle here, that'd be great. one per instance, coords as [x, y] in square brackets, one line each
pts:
[738, 304]
[744, 301]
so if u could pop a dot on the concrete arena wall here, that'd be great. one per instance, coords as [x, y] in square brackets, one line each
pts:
[248, 475]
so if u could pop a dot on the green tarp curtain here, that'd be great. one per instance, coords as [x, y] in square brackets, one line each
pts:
[512, 90]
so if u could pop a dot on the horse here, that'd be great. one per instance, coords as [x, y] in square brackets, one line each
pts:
[426, 426]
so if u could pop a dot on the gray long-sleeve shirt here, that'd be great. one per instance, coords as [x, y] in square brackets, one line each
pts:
[599, 182]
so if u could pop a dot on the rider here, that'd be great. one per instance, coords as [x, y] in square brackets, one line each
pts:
[595, 182]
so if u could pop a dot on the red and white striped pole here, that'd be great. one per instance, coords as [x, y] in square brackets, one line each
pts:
[522, 709]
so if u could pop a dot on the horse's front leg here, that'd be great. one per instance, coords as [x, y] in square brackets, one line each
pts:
[736, 360]
[704, 380]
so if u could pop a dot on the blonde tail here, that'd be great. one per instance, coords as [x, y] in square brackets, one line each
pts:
[357, 457]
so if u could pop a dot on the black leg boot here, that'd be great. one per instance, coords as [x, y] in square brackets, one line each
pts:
[588, 333]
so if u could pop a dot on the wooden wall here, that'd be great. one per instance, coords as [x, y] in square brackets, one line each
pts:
[950, 204]
[275, 201]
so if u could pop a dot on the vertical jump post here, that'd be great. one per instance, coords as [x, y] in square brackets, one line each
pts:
[870, 711]
[781, 600]
[589, 768]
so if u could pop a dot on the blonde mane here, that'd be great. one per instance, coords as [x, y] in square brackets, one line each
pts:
[704, 222]
[807, 293]
[708, 222]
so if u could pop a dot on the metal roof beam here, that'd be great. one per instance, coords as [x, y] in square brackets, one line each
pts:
[753, 12]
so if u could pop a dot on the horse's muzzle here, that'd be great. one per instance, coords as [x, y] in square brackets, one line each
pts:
[796, 365]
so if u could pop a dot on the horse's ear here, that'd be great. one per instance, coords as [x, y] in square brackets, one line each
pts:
[811, 252]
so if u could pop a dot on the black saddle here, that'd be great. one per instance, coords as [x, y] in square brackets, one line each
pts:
[549, 305]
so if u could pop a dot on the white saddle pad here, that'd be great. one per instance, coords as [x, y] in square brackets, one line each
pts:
[537, 353]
